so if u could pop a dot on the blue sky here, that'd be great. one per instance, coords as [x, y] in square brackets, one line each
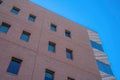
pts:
[102, 16]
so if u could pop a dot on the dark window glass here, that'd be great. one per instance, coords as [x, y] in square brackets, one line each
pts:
[51, 47]
[53, 27]
[104, 67]
[14, 65]
[25, 36]
[96, 45]
[31, 18]
[70, 78]
[69, 54]
[49, 75]
[15, 10]
[67, 33]
[4, 27]
[1, 1]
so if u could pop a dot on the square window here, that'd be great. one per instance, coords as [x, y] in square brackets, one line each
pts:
[70, 78]
[67, 33]
[1, 1]
[49, 75]
[4, 27]
[51, 47]
[31, 18]
[14, 65]
[53, 27]
[15, 10]
[25, 36]
[69, 54]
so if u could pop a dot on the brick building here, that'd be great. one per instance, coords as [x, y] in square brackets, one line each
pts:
[37, 44]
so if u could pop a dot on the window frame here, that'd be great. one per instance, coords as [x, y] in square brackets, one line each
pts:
[53, 45]
[70, 53]
[26, 34]
[15, 10]
[12, 65]
[4, 25]
[32, 18]
[52, 73]
[53, 27]
[68, 33]
[1, 1]
[69, 78]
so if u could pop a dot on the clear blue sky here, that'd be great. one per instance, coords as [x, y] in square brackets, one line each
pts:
[102, 16]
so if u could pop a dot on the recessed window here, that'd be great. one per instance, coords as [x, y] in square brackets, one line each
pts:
[53, 27]
[69, 54]
[1, 1]
[70, 78]
[51, 47]
[31, 18]
[14, 65]
[25, 36]
[49, 75]
[67, 33]
[4, 27]
[15, 10]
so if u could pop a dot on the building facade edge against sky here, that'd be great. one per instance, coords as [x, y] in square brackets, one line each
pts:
[30, 46]
[101, 58]
[27, 34]
[104, 19]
